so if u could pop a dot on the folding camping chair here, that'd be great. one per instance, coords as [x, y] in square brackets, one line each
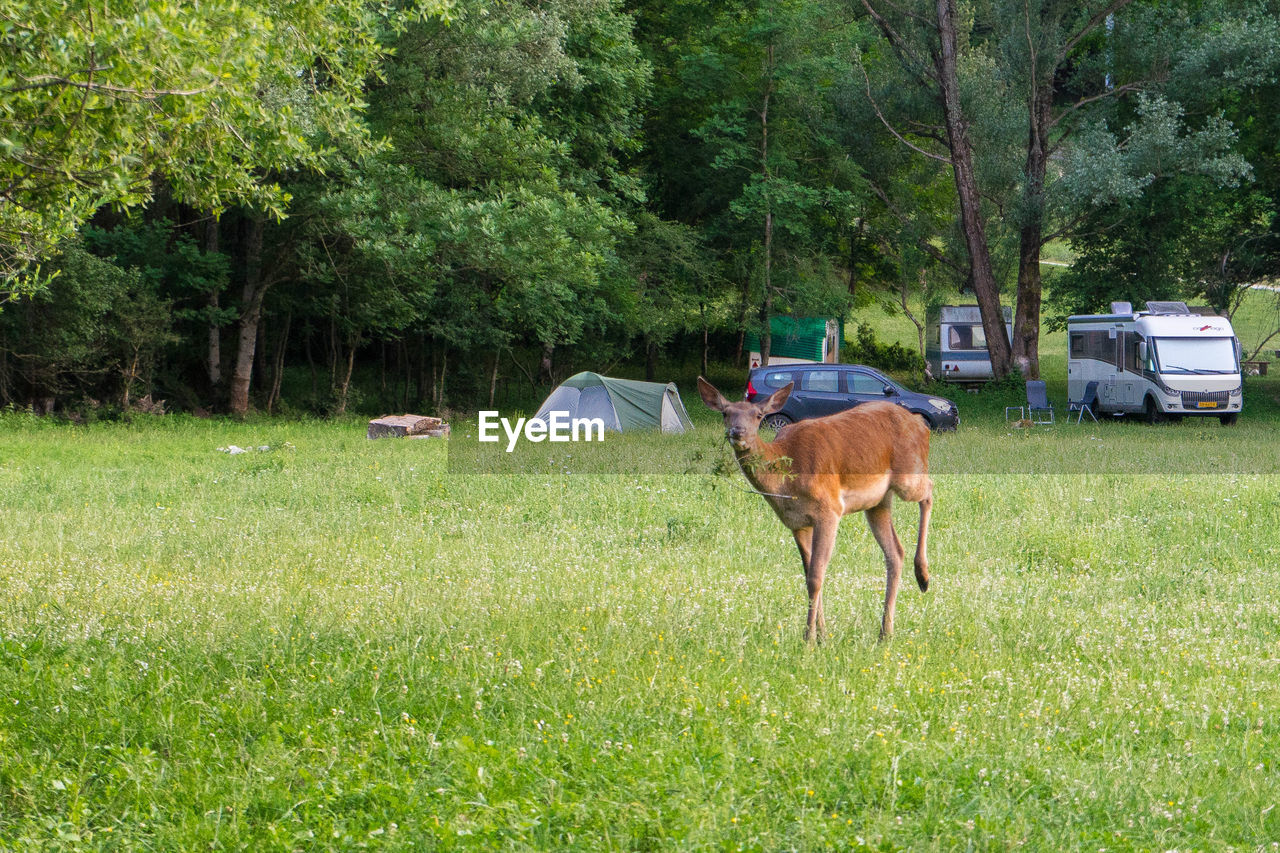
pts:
[1037, 407]
[1084, 405]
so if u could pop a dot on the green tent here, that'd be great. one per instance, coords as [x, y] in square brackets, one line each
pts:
[623, 404]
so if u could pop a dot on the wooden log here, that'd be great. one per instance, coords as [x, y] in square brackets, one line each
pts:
[402, 426]
[441, 431]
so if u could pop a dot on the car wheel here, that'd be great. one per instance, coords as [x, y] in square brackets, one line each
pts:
[1153, 413]
[776, 421]
[1228, 420]
[922, 416]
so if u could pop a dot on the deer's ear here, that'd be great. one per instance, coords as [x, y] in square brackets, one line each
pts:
[713, 398]
[777, 399]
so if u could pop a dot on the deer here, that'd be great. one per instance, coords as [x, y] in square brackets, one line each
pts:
[817, 471]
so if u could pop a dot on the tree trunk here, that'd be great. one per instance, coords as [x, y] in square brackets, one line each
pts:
[277, 371]
[493, 375]
[213, 354]
[402, 362]
[130, 376]
[439, 387]
[1026, 317]
[334, 351]
[429, 361]
[544, 366]
[744, 311]
[906, 309]
[261, 353]
[766, 328]
[650, 359]
[311, 361]
[856, 235]
[250, 316]
[425, 375]
[766, 308]
[344, 384]
[705, 345]
[975, 233]
[382, 370]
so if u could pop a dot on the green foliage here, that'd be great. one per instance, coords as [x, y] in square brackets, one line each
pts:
[97, 331]
[96, 100]
[489, 192]
[1182, 202]
[766, 179]
[496, 215]
[1184, 238]
[866, 349]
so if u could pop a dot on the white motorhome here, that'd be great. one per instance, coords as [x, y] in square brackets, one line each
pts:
[1166, 361]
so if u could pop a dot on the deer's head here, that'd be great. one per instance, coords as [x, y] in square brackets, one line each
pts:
[742, 420]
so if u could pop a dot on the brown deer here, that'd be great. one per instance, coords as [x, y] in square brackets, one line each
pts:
[818, 471]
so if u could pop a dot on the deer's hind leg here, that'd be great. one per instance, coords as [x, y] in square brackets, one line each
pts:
[922, 544]
[919, 489]
[880, 519]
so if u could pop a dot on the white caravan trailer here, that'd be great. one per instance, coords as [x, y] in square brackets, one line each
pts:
[957, 348]
[1166, 361]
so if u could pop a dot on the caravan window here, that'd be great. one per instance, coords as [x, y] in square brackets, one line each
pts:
[1077, 344]
[966, 337]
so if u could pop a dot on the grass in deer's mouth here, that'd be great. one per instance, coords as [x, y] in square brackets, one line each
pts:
[340, 643]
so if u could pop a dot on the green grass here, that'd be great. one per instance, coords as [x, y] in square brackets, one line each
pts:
[340, 643]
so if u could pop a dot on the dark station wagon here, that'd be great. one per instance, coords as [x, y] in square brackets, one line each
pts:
[824, 389]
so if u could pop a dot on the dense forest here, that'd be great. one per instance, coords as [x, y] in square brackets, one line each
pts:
[317, 206]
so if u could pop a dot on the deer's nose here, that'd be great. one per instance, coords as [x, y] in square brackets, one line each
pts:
[736, 432]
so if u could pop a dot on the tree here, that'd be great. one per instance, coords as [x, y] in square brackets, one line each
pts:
[209, 98]
[753, 159]
[927, 43]
[495, 216]
[97, 334]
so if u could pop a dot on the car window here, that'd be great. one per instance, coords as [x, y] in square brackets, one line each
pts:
[779, 379]
[865, 383]
[820, 380]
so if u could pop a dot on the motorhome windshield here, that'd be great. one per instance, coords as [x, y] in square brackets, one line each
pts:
[1196, 355]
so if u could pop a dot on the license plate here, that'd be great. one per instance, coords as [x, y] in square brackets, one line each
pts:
[1206, 404]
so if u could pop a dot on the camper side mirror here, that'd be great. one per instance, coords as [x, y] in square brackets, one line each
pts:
[1142, 352]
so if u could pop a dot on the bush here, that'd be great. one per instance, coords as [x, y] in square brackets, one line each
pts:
[865, 349]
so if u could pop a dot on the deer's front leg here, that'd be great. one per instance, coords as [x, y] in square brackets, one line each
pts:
[824, 541]
[804, 542]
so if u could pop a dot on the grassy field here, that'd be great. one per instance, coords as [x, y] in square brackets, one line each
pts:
[338, 643]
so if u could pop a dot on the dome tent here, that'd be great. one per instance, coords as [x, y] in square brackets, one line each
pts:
[623, 404]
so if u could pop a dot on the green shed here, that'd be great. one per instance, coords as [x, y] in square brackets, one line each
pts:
[799, 339]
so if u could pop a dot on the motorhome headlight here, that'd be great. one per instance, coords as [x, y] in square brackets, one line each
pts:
[940, 405]
[1238, 390]
[1165, 389]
